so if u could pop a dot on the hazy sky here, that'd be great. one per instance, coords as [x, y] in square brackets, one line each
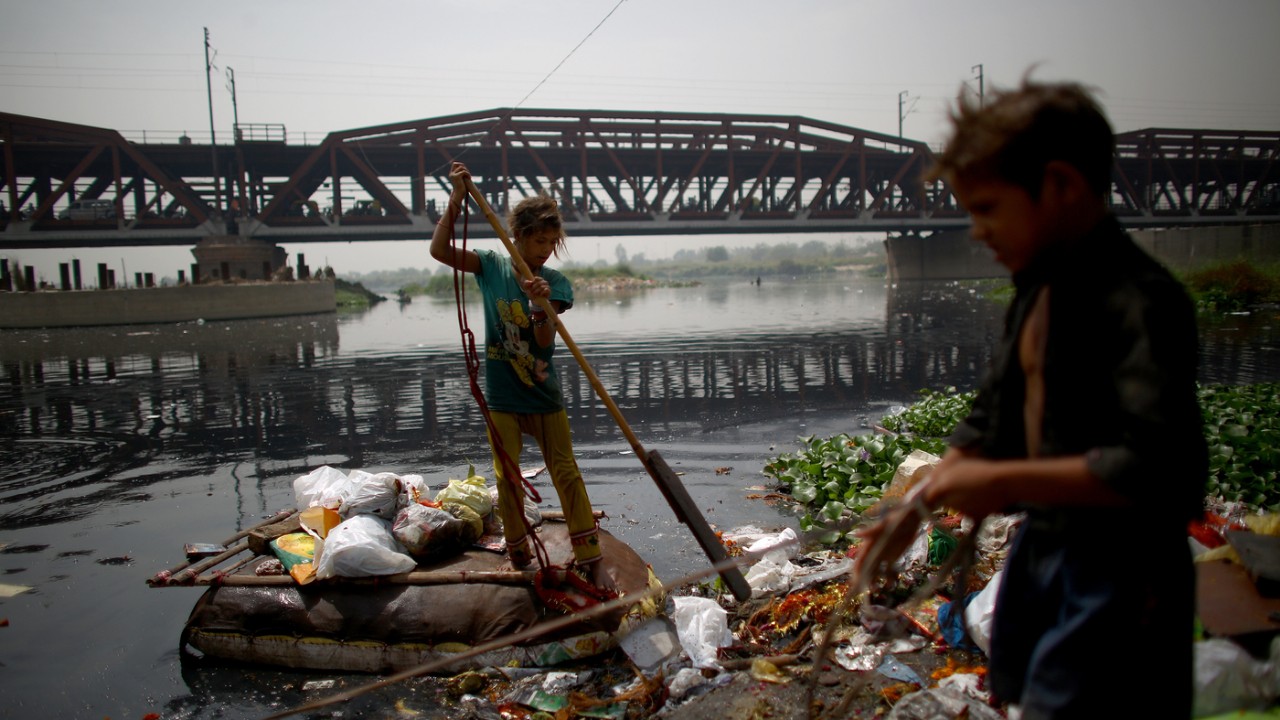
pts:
[317, 66]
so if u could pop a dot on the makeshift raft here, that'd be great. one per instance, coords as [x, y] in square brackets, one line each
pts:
[397, 622]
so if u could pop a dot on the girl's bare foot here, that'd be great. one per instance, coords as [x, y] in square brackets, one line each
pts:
[598, 573]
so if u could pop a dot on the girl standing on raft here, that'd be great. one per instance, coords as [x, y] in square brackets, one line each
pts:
[521, 387]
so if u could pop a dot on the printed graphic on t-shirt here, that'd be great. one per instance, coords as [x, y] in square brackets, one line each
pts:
[514, 348]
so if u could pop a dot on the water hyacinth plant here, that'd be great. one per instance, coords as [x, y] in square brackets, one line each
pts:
[847, 474]
[1242, 425]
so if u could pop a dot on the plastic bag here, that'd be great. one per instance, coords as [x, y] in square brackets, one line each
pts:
[936, 703]
[362, 546]
[296, 552]
[413, 488]
[427, 531]
[325, 486]
[532, 513]
[473, 523]
[772, 572]
[1228, 678]
[372, 495]
[702, 627]
[470, 492]
[980, 613]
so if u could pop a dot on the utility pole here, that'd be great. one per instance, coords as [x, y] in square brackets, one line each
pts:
[235, 108]
[981, 91]
[236, 136]
[213, 139]
[902, 98]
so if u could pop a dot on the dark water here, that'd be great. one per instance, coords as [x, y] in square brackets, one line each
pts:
[117, 446]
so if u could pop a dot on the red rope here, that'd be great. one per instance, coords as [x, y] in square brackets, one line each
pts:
[510, 467]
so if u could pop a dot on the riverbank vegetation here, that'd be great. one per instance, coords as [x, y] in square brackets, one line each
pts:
[845, 474]
[354, 295]
[687, 267]
[1233, 287]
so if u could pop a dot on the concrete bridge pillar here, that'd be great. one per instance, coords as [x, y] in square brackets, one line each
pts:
[940, 256]
[1184, 249]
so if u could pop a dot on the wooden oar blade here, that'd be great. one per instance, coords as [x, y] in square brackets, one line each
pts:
[687, 512]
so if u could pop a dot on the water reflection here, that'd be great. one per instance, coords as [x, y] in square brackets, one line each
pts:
[80, 405]
[1239, 349]
[85, 404]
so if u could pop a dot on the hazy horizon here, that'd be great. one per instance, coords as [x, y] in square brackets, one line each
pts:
[364, 257]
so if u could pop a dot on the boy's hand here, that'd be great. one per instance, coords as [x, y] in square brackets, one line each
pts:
[885, 540]
[966, 484]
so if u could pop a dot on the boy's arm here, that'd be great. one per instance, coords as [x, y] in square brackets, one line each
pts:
[441, 247]
[1160, 456]
[978, 486]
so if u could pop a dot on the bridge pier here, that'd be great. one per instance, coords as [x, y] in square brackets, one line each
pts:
[1183, 249]
[955, 256]
[940, 256]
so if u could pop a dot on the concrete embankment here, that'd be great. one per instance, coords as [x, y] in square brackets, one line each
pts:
[181, 303]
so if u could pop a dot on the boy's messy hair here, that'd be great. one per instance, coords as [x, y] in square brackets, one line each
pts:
[537, 214]
[1015, 133]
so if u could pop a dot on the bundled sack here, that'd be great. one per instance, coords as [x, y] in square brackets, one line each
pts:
[372, 494]
[470, 492]
[532, 513]
[413, 489]
[473, 524]
[362, 546]
[360, 492]
[323, 487]
[430, 531]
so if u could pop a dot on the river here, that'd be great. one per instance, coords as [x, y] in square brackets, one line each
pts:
[120, 445]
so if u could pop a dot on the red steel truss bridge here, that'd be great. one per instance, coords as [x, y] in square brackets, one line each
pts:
[614, 173]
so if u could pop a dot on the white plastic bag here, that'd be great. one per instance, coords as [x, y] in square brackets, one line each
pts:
[412, 489]
[372, 495]
[532, 513]
[980, 613]
[702, 627]
[772, 572]
[362, 546]
[325, 486]
[1228, 678]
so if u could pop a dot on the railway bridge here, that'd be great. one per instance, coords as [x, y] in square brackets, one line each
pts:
[614, 173]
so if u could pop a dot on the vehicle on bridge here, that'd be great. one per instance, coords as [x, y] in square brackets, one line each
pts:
[89, 209]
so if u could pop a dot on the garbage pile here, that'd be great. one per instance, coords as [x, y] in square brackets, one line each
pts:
[897, 654]
[362, 524]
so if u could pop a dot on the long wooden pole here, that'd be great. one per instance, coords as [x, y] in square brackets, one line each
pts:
[416, 577]
[668, 482]
[168, 576]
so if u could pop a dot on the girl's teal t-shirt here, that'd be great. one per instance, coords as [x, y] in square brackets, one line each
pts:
[520, 377]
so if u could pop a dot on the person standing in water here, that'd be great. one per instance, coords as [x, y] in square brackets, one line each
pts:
[522, 389]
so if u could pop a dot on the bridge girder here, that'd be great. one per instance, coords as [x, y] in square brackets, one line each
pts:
[612, 172]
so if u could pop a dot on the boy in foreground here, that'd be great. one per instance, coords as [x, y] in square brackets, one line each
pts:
[1088, 421]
